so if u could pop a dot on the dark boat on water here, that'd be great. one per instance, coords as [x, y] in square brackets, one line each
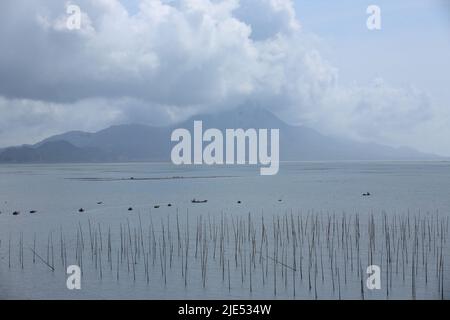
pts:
[199, 201]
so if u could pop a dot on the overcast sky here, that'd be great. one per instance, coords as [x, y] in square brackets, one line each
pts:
[312, 62]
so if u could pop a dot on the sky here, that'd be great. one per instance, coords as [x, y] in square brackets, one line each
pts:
[310, 62]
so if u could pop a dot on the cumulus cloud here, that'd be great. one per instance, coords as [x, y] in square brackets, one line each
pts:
[175, 58]
[24, 121]
[27, 121]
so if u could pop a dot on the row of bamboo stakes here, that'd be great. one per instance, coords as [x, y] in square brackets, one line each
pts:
[312, 253]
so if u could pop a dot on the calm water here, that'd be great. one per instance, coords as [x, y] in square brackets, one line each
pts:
[303, 189]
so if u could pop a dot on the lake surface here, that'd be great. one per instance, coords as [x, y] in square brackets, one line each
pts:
[141, 253]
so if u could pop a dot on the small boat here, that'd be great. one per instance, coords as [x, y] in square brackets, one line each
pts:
[130, 209]
[99, 203]
[366, 194]
[33, 211]
[16, 213]
[156, 207]
[239, 201]
[169, 205]
[199, 201]
[81, 210]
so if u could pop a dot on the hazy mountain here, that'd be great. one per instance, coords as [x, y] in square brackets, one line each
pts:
[302, 143]
[54, 151]
[123, 143]
[145, 143]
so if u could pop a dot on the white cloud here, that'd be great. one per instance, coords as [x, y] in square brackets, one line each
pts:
[175, 58]
[30, 121]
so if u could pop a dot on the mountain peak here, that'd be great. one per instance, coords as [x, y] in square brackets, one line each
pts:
[243, 117]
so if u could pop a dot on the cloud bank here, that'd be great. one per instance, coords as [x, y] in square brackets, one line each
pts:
[176, 58]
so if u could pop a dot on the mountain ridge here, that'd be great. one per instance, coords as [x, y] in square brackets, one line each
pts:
[139, 142]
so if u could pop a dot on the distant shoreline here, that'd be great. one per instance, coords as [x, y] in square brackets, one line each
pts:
[149, 179]
[281, 161]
